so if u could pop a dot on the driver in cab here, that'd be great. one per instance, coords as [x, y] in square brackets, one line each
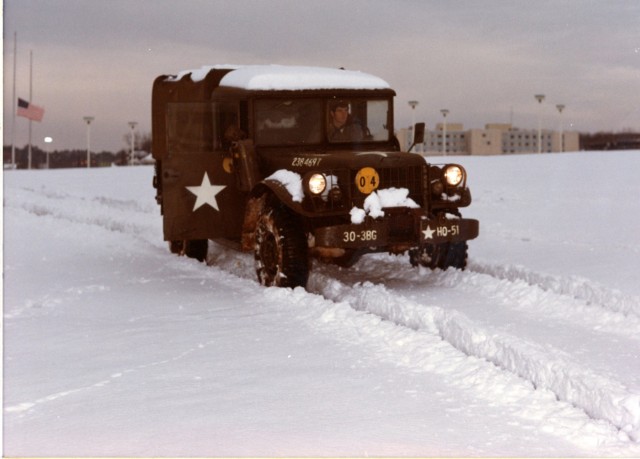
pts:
[341, 125]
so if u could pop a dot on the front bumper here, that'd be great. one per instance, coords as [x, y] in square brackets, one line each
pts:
[399, 227]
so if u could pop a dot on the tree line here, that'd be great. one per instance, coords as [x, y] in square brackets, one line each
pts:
[75, 158]
[625, 140]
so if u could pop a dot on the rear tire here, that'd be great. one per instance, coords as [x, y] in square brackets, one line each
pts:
[176, 247]
[196, 248]
[281, 251]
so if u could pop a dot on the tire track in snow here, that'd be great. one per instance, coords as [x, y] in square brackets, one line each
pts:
[543, 298]
[574, 286]
[419, 346]
[107, 201]
[122, 216]
[602, 398]
[543, 303]
[545, 367]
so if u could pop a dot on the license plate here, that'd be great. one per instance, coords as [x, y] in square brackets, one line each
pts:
[438, 231]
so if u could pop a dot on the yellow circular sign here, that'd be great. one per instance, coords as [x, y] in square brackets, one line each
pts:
[367, 180]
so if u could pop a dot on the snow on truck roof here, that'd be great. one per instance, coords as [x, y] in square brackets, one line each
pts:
[281, 77]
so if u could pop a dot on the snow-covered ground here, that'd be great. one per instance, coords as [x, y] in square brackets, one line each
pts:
[113, 346]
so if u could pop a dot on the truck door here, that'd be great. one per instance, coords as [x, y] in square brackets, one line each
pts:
[200, 197]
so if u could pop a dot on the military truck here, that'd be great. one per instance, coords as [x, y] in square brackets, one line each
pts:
[296, 163]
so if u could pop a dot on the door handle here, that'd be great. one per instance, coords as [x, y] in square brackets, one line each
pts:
[170, 175]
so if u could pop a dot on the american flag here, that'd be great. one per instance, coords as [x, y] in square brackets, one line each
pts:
[29, 110]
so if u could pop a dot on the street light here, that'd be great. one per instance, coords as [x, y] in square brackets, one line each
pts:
[560, 107]
[132, 125]
[539, 98]
[444, 112]
[413, 104]
[88, 120]
[47, 141]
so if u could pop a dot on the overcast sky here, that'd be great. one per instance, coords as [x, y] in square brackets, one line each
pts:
[482, 60]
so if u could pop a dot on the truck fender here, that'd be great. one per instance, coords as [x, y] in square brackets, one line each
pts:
[265, 193]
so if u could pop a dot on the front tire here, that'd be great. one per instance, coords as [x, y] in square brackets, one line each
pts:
[456, 256]
[281, 252]
[443, 256]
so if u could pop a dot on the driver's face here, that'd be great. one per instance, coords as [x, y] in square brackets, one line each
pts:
[340, 115]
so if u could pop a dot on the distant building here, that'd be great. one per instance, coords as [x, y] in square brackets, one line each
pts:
[494, 139]
[456, 139]
[485, 142]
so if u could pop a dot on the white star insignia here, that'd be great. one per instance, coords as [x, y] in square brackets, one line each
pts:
[206, 193]
[428, 233]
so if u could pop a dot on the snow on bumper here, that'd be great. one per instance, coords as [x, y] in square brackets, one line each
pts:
[397, 227]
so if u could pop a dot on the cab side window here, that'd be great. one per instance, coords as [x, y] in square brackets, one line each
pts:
[189, 128]
[230, 125]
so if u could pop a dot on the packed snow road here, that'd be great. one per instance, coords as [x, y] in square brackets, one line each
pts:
[115, 347]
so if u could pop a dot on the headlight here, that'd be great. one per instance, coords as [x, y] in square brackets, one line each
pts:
[317, 183]
[453, 175]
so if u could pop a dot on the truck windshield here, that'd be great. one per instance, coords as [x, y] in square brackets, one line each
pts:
[292, 121]
[312, 121]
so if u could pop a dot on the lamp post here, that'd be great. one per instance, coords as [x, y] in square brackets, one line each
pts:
[560, 107]
[132, 125]
[444, 112]
[88, 120]
[539, 98]
[413, 104]
[47, 141]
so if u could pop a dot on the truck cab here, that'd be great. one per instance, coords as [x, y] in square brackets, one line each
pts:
[293, 163]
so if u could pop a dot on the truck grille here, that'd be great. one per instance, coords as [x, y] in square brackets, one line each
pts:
[404, 177]
[410, 178]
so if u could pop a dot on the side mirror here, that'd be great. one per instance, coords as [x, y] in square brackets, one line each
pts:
[418, 135]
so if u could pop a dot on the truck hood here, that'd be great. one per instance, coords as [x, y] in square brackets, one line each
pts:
[303, 162]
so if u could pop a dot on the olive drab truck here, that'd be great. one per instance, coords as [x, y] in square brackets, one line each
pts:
[295, 163]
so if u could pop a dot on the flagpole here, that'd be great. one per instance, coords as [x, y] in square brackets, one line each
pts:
[13, 123]
[30, 99]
